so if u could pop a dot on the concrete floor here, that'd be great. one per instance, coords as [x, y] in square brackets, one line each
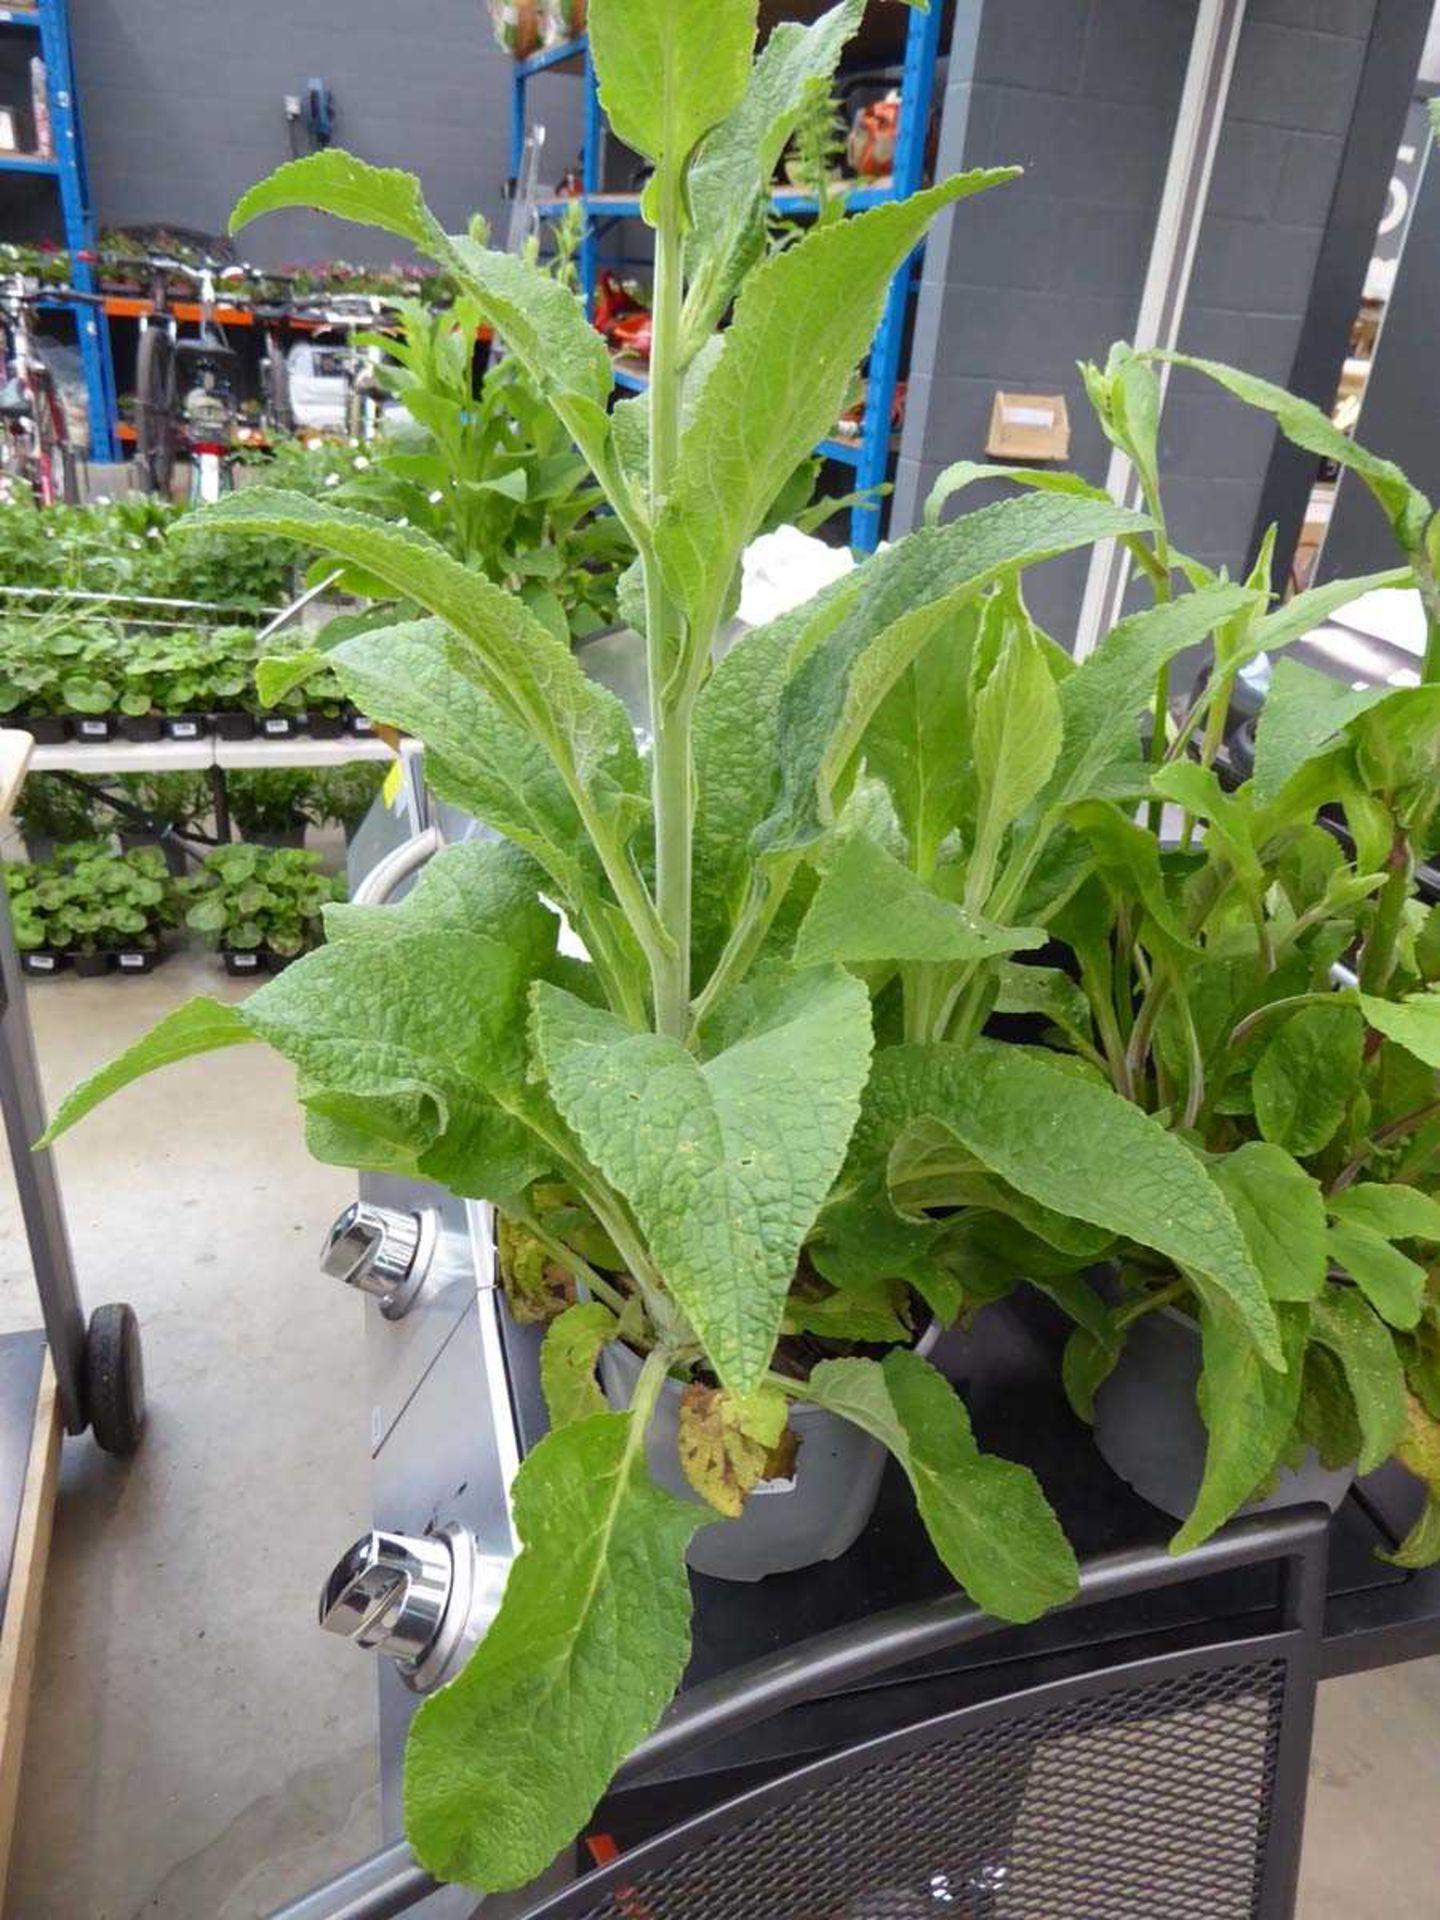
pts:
[197, 1750]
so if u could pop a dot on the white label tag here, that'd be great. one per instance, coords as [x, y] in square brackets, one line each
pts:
[94, 730]
[185, 730]
[277, 724]
[42, 962]
[772, 1486]
[132, 962]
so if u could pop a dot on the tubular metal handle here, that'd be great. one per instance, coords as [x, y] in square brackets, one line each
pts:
[387, 874]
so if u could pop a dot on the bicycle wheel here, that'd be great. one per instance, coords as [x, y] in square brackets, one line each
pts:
[57, 471]
[155, 411]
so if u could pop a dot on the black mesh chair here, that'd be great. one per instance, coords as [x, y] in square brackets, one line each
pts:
[1168, 1785]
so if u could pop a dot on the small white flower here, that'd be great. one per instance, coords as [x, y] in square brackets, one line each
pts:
[436, 497]
[332, 479]
[360, 463]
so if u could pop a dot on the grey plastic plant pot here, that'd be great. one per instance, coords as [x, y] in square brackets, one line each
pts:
[1148, 1428]
[787, 1524]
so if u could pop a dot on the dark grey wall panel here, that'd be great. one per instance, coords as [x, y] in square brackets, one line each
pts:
[182, 108]
[1399, 417]
[1049, 271]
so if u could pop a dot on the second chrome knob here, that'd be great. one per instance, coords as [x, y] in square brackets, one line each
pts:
[382, 1251]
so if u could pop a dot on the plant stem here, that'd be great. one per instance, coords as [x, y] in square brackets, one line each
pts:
[1148, 1303]
[1395, 1130]
[671, 776]
[1377, 961]
[747, 937]
[577, 1267]
[1430, 599]
[1242, 1031]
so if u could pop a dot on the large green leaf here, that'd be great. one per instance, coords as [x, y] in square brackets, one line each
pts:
[1101, 702]
[481, 886]
[918, 742]
[531, 675]
[1249, 1409]
[1362, 1343]
[1307, 1075]
[1281, 1210]
[1015, 741]
[1304, 710]
[1412, 1023]
[987, 1518]
[338, 183]
[202, 1025]
[542, 322]
[1405, 506]
[1394, 1211]
[475, 758]
[907, 596]
[1419, 1452]
[420, 1043]
[1077, 1148]
[1392, 1282]
[868, 907]
[729, 185]
[801, 324]
[504, 1765]
[736, 728]
[669, 70]
[724, 1162]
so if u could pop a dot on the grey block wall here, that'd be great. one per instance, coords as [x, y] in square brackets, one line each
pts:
[1033, 277]
[182, 105]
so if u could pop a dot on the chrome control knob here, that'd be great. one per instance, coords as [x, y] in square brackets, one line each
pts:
[382, 1252]
[422, 1600]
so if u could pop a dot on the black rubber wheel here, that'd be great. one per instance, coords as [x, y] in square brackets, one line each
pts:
[155, 411]
[115, 1378]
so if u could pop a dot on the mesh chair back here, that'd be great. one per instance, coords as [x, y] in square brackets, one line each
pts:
[1168, 1787]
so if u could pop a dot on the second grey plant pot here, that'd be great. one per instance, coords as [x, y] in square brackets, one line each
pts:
[1149, 1431]
[787, 1524]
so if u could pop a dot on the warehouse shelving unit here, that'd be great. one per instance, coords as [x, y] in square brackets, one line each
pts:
[50, 19]
[869, 455]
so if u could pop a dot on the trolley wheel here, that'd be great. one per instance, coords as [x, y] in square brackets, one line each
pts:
[115, 1378]
[156, 403]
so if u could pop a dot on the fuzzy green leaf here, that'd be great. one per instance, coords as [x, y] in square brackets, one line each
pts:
[567, 1362]
[729, 184]
[282, 673]
[481, 886]
[801, 324]
[1420, 1454]
[1395, 1212]
[474, 757]
[1405, 506]
[1392, 1283]
[907, 596]
[532, 676]
[1307, 1075]
[419, 1045]
[669, 70]
[724, 1162]
[918, 742]
[1078, 1149]
[1412, 1023]
[504, 1765]
[1304, 711]
[1249, 1409]
[868, 907]
[987, 1518]
[1101, 702]
[1015, 742]
[1362, 1343]
[336, 182]
[200, 1026]
[1281, 1211]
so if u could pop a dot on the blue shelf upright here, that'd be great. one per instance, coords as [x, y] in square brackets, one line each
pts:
[869, 455]
[51, 20]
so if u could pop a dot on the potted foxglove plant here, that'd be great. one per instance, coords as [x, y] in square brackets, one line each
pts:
[791, 905]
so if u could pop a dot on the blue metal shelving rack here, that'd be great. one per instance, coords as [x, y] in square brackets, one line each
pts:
[870, 455]
[51, 20]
